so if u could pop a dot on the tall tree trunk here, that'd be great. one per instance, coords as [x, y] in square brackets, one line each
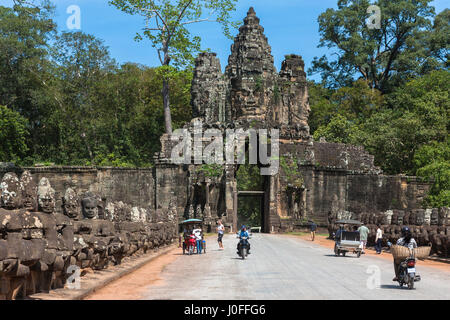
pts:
[166, 100]
[166, 91]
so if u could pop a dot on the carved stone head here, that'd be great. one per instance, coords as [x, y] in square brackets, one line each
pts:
[420, 217]
[406, 218]
[89, 206]
[11, 191]
[427, 218]
[29, 191]
[434, 220]
[444, 214]
[71, 204]
[46, 196]
[199, 211]
[191, 212]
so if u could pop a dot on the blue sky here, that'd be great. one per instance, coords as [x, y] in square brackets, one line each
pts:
[290, 25]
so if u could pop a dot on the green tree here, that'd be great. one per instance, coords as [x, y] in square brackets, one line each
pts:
[346, 107]
[338, 130]
[166, 28]
[13, 134]
[383, 57]
[433, 162]
[438, 39]
[24, 68]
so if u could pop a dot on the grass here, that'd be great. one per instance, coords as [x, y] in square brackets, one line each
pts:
[306, 234]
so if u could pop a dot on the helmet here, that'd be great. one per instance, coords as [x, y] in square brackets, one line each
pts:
[243, 227]
[406, 232]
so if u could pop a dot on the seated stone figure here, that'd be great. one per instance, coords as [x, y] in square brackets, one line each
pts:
[13, 248]
[58, 233]
[97, 235]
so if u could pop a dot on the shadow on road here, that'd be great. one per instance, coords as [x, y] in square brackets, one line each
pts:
[332, 255]
[393, 286]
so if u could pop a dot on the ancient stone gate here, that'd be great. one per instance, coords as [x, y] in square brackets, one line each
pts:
[313, 179]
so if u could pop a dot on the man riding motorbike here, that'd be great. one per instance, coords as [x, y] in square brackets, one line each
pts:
[243, 233]
[407, 241]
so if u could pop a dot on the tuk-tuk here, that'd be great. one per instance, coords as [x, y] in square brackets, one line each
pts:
[347, 241]
[187, 241]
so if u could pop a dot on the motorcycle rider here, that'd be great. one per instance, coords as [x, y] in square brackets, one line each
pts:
[243, 233]
[407, 241]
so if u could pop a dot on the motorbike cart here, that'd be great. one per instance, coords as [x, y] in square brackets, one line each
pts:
[347, 241]
[189, 244]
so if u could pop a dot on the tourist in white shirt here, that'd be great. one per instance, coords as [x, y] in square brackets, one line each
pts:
[220, 232]
[199, 238]
[378, 239]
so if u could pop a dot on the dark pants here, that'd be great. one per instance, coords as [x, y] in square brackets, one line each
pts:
[378, 245]
[199, 246]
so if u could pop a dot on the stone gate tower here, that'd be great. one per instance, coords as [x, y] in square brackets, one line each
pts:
[316, 178]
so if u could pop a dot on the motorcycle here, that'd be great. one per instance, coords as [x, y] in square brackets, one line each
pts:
[407, 273]
[244, 247]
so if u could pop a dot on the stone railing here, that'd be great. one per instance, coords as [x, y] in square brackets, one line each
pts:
[40, 248]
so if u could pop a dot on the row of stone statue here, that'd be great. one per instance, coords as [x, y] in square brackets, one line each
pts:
[429, 227]
[38, 245]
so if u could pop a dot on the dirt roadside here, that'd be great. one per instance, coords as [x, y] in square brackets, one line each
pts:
[132, 285]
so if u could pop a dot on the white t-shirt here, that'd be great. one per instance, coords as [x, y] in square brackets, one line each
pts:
[220, 229]
[379, 234]
[198, 234]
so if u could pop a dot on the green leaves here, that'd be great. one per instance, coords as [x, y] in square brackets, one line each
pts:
[384, 57]
[406, 130]
[13, 135]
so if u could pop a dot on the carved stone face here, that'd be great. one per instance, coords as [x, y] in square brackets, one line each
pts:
[434, 217]
[442, 217]
[46, 196]
[427, 217]
[11, 191]
[248, 97]
[89, 207]
[71, 207]
[29, 191]
[419, 218]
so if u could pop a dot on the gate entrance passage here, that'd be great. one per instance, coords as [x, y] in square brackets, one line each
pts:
[251, 209]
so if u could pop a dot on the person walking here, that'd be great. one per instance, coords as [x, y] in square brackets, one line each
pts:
[220, 232]
[363, 235]
[378, 239]
[313, 228]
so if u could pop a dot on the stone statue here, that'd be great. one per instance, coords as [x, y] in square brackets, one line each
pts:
[29, 191]
[71, 204]
[46, 196]
[89, 206]
[420, 217]
[427, 217]
[191, 212]
[11, 191]
[199, 212]
[434, 219]
[389, 214]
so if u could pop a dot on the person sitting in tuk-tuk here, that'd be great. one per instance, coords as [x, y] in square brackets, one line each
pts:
[338, 234]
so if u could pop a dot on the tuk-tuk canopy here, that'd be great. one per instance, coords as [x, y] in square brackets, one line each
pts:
[354, 222]
[191, 221]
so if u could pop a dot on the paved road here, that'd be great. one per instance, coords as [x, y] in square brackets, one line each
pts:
[282, 267]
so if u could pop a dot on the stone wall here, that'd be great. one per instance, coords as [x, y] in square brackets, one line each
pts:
[76, 219]
[133, 186]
